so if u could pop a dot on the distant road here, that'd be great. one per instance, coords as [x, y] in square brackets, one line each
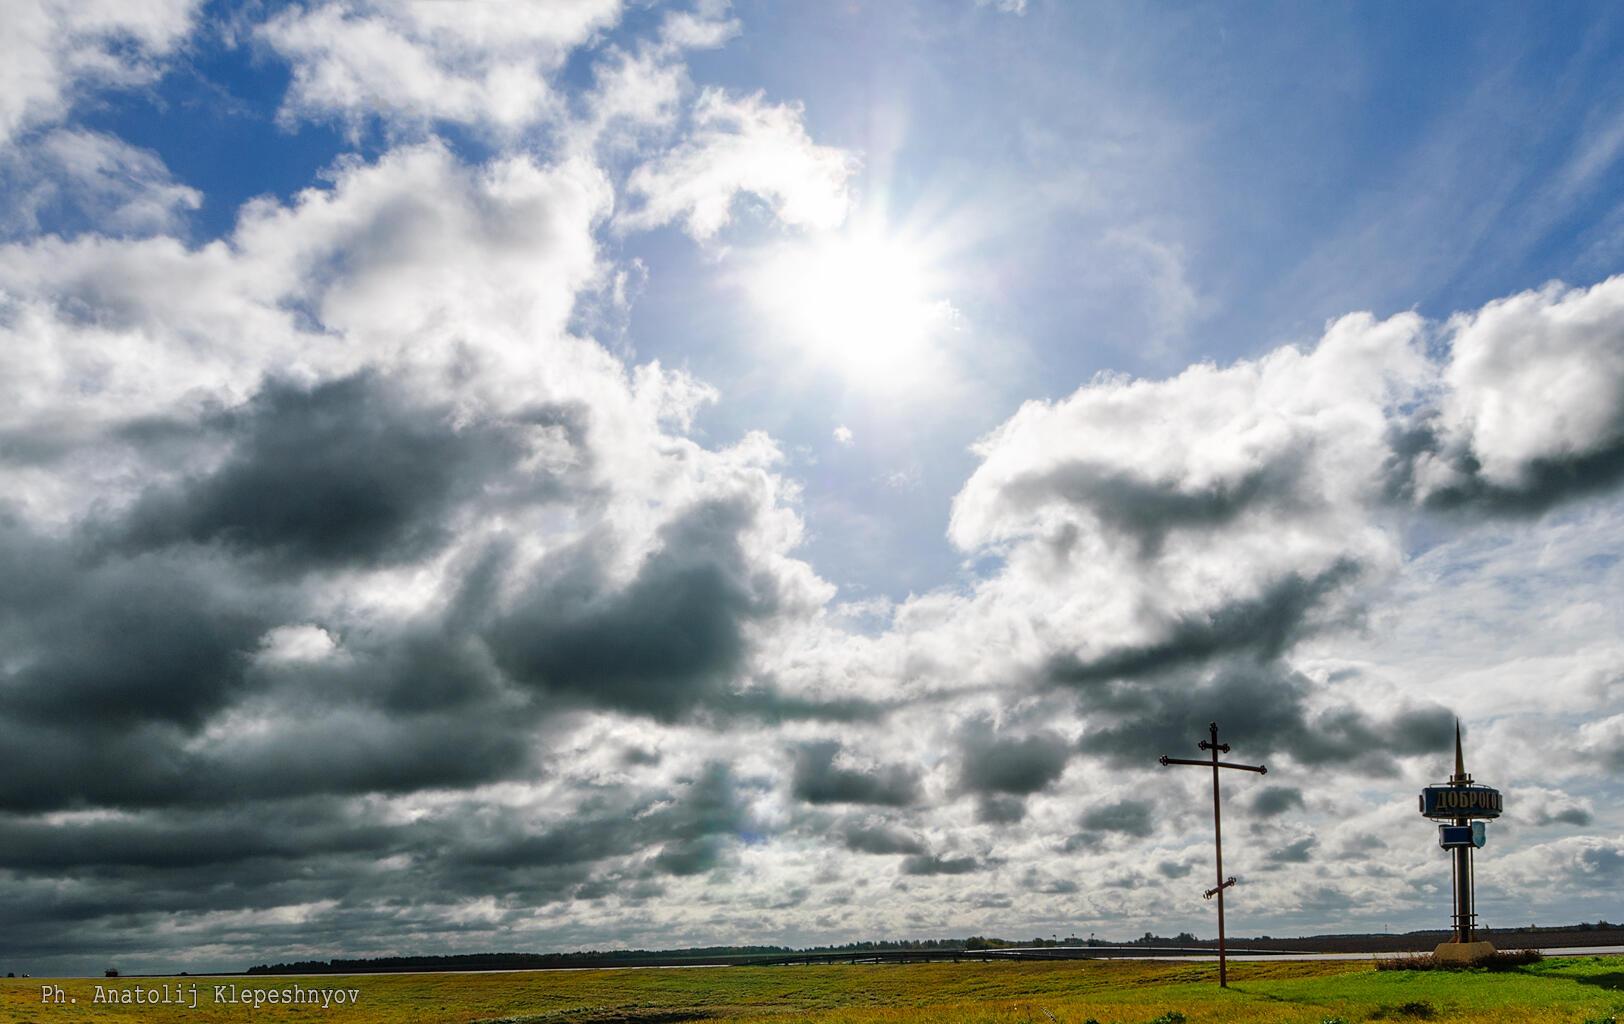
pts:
[1023, 953]
[1191, 954]
[1555, 951]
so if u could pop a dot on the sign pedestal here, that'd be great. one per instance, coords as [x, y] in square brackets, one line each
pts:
[1464, 952]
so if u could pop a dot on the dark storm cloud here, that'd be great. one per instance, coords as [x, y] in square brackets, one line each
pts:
[818, 780]
[157, 638]
[998, 809]
[1267, 624]
[1145, 510]
[1602, 861]
[1545, 483]
[927, 864]
[672, 639]
[690, 856]
[996, 763]
[347, 472]
[116, 908]
[153, 765]
[689, 826]
[1174, 869]
[181, 840]
[1296, 852]
[773, 706]
[878, 838]
[1358, 847]
[1272, 801]
[127, 638]
[638, 757]
[121, 664]
[1261, 708]
[100, 642]
[1564, 816]
[1127, 817]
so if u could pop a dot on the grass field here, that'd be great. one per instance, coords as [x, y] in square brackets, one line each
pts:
[1558, 991]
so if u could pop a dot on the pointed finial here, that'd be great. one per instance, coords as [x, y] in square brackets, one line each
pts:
[1460, 759]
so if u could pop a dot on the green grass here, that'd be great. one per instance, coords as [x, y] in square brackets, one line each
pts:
[1558, 991]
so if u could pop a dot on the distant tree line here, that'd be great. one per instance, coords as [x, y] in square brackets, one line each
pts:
[593, 957]
[631, 957]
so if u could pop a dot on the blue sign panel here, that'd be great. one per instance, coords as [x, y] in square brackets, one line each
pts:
[1452, 836]
[1480, 834]
[1460, 802]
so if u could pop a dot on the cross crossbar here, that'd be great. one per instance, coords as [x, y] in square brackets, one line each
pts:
[1261, 769]
[1210, 893]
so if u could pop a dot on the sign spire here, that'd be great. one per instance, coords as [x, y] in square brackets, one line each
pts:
[1460, 759]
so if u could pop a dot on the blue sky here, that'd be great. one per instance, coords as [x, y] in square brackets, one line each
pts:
[626, 468]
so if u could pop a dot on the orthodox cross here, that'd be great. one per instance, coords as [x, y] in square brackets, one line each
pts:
[1217, 829]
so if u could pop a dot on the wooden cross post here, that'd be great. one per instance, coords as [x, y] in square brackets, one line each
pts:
[1217, 830]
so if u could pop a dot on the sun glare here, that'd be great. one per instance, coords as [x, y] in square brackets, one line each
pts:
[863, 301]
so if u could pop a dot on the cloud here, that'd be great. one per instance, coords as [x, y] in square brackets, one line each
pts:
[880, 839]
[1284, 439]
[1153, 526]
[674, 636]
[1273, 801]
[1298, 851]
[418, 63]
[1585, 864]
[843, 436]
[1564, 816]
[1268, 623]
[1533, 407]
[819, 780]
[54, 51]
[642, 90]
[1000, 809]
[994, 763]
[741, 144]
[348, 471]
[422, 266]
[934, 865]
[1602, 741]
[72, 176]
[1263, 709]
[1127, 817]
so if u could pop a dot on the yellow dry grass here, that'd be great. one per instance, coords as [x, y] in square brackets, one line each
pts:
[1569, 991]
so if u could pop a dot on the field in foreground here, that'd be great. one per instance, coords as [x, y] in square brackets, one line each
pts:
[1558, 991]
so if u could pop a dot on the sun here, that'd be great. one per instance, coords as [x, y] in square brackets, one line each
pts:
[866, 301]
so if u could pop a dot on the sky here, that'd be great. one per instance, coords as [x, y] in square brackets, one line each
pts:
[599, 474]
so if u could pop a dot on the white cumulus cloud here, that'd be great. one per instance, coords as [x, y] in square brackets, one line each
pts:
[741, 144]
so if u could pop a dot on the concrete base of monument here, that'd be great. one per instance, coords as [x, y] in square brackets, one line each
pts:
[1464, 952]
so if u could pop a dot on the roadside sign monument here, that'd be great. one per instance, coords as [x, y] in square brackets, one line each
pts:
[1462, 808]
